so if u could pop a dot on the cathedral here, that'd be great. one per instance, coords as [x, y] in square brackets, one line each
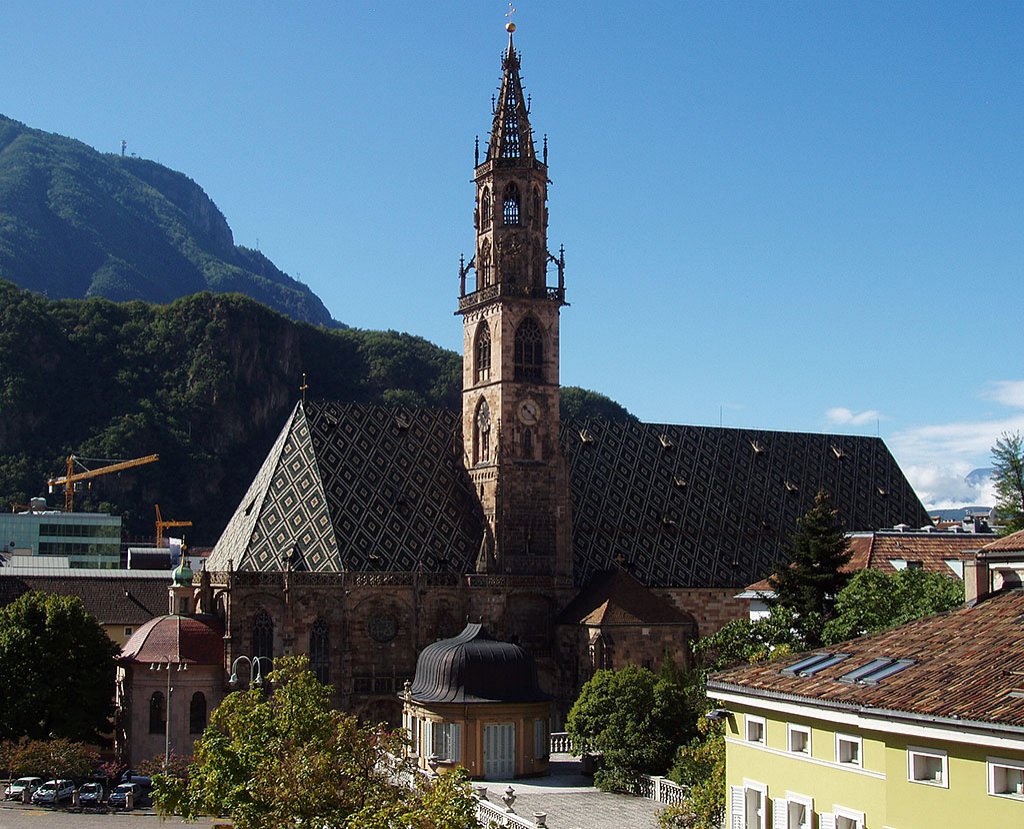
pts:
[371, 532]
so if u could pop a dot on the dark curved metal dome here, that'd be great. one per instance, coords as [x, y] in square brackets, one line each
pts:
[472, 667]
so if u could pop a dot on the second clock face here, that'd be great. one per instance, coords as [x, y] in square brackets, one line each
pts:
[529, 412]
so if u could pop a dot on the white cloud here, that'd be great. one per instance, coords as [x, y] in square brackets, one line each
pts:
[848, 417]
[937, 457]
[1008, 392]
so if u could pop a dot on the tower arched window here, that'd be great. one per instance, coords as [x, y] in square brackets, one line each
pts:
[529, 353]
[482, 433]
[484, 271]
[528, 443]
[510, 205]
[482, 355]
[535, 213]
[262, 635]
[510, 127]
[157, 713]
[320, 651]
[485, 209]
[197, 713]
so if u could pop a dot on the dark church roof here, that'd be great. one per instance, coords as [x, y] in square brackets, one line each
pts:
[351, 487]
[616, 598]
[472, 668]
[114, 597]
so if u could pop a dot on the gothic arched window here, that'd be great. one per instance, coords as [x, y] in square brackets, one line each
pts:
[485, 209]
[197, 713]
[483, 352]
[529, 356]
[510, 205]
[157, 713]
[262, 635]
[482, 433]
[484, 271]
[535, 216]
[528, 443]
[320, 652]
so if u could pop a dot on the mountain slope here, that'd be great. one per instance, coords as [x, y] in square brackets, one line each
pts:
[206, 382]
[76, 223]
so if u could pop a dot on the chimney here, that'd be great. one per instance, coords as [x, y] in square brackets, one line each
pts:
[976, 579]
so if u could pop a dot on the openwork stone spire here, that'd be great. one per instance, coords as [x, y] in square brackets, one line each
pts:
[511, 136]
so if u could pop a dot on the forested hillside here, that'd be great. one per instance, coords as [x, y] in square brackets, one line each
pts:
[206, 382]
[76, 223]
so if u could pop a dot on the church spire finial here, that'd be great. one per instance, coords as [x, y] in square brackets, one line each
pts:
[511, 136]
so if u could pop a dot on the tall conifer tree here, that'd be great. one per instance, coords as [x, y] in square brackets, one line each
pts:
[809, 583]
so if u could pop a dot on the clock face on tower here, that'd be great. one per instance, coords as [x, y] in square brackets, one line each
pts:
[529, 412]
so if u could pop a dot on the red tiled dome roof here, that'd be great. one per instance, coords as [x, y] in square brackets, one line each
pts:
[195, 641]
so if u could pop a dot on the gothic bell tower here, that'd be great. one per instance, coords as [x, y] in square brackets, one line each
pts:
[510, 383]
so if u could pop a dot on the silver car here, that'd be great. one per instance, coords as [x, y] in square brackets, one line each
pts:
[54, 791]
[16, 788]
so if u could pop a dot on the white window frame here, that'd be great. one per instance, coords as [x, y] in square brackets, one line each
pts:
[761, 789]
[938, 753]
[793, 799]
[994, 763]
[798, 729]
[748, 721]
[848, 814]
[857, 741]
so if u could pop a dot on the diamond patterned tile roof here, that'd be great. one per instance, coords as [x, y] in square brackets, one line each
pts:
[966, 666]
[366, 488]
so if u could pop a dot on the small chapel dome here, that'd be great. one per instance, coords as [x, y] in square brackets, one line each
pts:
[179, 639]
[472, 667]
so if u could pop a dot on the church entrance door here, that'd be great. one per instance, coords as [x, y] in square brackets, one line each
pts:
[500, 751]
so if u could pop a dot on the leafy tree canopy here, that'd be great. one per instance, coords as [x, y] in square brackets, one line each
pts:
[579, 404]
[874, 601]
[634, 718]
[290, 760]
[56, 669]
[54, 758]
[1008, 477]
[813, 577]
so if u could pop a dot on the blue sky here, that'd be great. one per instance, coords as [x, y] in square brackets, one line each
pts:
[800, 216]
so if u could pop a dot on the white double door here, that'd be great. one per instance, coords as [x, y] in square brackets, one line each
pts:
[499, 751]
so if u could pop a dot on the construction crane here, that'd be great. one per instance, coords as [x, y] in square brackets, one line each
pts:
[162, 525]
[71, 478]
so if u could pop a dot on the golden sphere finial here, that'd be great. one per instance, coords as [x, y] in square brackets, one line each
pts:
[510, 27]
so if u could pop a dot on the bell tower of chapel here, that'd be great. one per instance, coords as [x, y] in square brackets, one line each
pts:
[510, 383]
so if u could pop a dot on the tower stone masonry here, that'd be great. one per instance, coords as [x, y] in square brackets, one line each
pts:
[510, 377]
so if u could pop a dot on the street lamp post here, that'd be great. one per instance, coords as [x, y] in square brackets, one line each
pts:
[256, 676]
[159, 666]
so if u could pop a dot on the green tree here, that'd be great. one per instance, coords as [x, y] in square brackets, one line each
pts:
[290, 760]
[633, 718]
[55, 758]
[874, 601]
[1008, 477]
[56, 670]
[744, 641]
[809, 583]
[700, 766]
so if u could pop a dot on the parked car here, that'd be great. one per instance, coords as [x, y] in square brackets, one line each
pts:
[15, 788]
[54, 791]
[91, 794]
[119, 797]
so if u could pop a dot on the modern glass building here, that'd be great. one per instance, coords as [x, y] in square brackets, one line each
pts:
[85, 539]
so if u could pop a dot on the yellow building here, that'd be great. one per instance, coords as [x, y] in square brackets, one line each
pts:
[920, 726]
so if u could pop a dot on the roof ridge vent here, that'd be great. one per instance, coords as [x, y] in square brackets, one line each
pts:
[666, 442]
[585, 436]
[791, 487]
[757, 446]
[679, 482]
[838, 452]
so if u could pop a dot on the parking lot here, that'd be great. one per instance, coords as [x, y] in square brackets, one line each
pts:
[18, 816]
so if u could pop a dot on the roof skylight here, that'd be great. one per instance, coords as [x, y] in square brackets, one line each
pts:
[812, 664]
[875, 671]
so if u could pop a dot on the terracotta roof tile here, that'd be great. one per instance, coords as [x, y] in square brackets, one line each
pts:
[967, 666]
[1012, 543]
[104, 598]
[614, 597]
[189, 639]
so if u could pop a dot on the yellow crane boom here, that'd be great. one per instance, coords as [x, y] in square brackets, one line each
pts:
[72, 477]
[162, 525]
